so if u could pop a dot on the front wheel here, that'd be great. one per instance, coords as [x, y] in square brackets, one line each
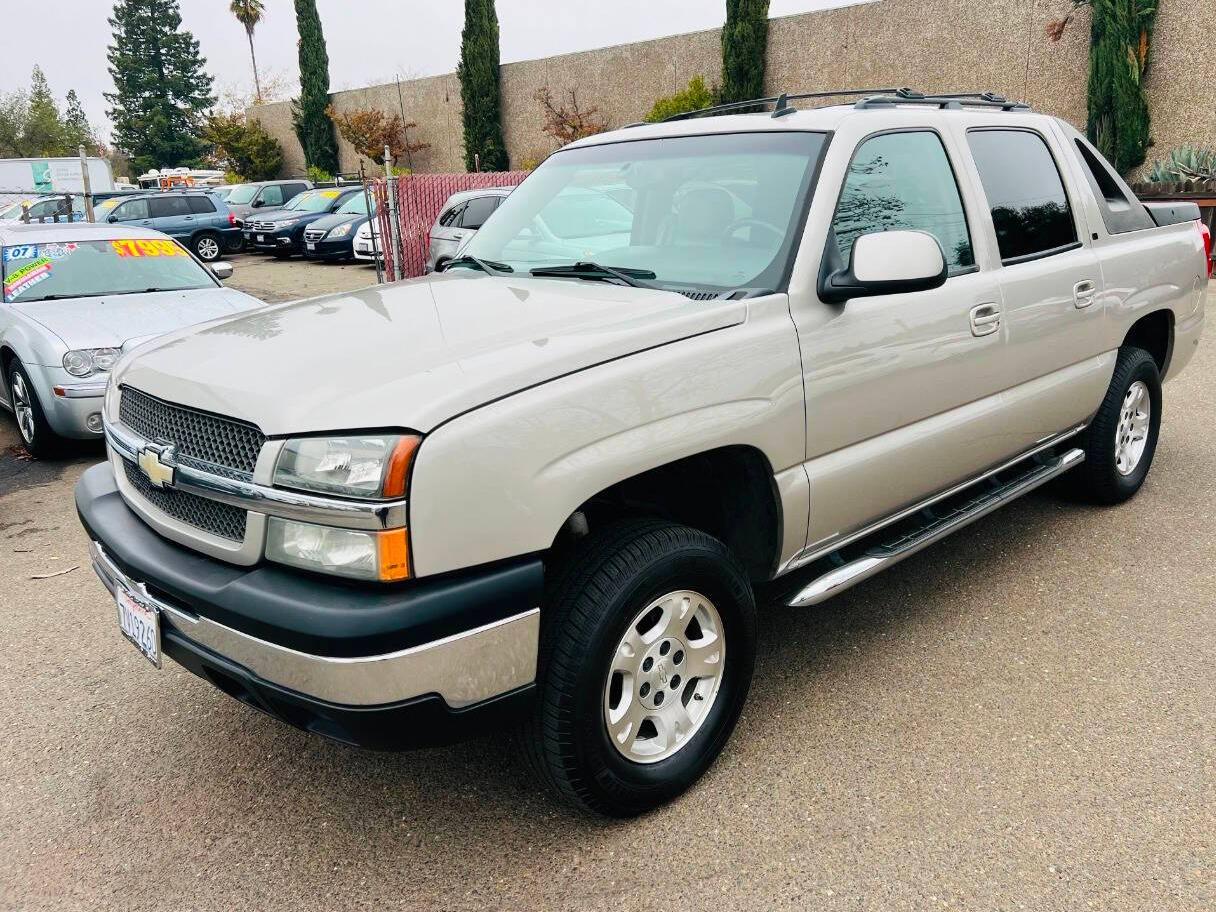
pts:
[1122, 439]
[35, 430]
[647, 648]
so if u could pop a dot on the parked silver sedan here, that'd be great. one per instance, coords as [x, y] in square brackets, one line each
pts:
[461, 217]
[75, 297]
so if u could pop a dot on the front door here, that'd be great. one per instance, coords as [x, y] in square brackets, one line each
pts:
[902, 391]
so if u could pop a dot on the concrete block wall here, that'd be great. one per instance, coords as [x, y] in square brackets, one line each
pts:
[932, 45]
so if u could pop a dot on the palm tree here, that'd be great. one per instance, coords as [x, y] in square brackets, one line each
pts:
[249, 13]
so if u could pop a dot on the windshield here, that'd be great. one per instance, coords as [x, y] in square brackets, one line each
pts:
[713, 212]
[313, 201]
[356, 205]
[38, 272]
[242, 194]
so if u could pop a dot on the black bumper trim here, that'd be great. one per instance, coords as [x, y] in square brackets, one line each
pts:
[298, 610]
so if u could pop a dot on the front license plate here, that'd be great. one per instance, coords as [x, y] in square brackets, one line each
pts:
[310, 246]
[261, 238]
[140, 624]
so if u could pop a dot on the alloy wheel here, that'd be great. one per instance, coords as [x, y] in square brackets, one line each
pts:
[23, 406]
[1131, 434]
[208, 249]
[665, 675]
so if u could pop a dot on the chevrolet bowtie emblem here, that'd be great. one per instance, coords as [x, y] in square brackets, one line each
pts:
[156, 461]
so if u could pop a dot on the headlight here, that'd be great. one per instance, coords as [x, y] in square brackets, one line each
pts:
[85, 362]
[285, 223]
[340, 231]
[380, 556]
[374, 466]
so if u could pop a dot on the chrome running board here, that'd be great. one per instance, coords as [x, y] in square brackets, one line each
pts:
[848, 566]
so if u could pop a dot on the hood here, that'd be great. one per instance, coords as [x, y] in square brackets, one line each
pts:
[412, 354]
[331, 222]
[113, 320]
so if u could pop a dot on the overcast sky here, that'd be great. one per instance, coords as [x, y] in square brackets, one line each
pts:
[368, 40]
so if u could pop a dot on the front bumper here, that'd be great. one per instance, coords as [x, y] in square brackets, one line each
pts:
[341, 249]
[271, 240]
[72, 406]
[379, 666]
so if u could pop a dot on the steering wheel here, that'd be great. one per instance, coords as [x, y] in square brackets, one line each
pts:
[734, 226]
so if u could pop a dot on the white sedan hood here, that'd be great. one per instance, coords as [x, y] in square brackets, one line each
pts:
[412, 354]
[110, 321]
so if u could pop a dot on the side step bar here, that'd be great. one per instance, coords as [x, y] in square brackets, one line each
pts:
[849, 566]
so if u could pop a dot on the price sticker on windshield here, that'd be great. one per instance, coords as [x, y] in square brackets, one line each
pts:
[142, 248]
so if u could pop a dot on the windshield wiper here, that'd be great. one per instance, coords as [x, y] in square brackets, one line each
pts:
[594, 271]
[486, 266]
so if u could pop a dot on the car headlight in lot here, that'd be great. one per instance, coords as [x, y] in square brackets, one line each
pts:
[382, 556]
[371, 466]
[85, 362]
[340, 231]
[285, 223]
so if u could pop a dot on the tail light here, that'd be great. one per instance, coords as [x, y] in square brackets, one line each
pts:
[1207, 245]
[231, 220]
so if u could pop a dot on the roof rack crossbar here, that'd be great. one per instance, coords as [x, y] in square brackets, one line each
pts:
[780, 102]
[946, 101]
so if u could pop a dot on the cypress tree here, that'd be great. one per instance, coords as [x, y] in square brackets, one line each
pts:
[1120, 37]
[160, 85]
[480, 92]
[313, 126]
[744, 43]
[78, 130]
[44, 132]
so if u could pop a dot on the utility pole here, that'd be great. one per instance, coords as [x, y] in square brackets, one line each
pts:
[394, 239]
[88, 187]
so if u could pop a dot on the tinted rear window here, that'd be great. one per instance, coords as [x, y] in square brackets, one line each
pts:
[1030, 209]
[168, 206]
[200, 204]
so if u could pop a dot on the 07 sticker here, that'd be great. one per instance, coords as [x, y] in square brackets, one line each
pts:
[141, 248]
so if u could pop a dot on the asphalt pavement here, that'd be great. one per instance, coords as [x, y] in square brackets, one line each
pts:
[1021, 717]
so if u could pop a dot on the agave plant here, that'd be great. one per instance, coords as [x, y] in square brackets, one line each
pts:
[1185, 163]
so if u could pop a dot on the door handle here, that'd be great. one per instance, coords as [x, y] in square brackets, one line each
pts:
[1083, 293]
[985, 319]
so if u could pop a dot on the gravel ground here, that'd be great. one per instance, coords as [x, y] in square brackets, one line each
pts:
[274, 280]
[1018, 718]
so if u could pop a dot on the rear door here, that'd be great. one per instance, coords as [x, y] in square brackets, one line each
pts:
[902, 391]
[1050, 281]
[203, 209]
[172, 215]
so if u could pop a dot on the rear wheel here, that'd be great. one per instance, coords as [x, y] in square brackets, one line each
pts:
[1122, 439]
[207, 246]
[647, 649]
[35, 431]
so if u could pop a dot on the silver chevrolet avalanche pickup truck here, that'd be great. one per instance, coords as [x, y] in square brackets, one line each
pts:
[540, 488]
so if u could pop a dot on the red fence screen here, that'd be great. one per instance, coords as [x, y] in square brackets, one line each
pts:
[420, 198]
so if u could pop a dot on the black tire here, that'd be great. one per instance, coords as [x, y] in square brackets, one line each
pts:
[612, 576]
[234, 243]
[36, 433]
[1099, 479]
[208, 246]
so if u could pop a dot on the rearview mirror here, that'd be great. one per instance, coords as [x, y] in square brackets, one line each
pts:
[221, 271]
[887, 262]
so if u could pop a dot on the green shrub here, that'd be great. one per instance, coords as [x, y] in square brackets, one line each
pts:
[319, 175]
[693, 98]
[1185, 163]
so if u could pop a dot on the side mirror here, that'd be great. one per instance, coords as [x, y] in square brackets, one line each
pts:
[887, 262]
[257, 204]
[222, 271]
[111, 218]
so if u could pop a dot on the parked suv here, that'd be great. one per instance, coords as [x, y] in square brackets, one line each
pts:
[281, 232]
[200, 220]
[542, 486]
[244, 199]
[461, 217]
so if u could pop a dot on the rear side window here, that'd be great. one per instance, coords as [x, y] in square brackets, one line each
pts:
[904, 182]
[1121, 211]
[1025, 192]
[477, 211]
[272, 195]
[200, 205]
[168, 206]
[292, 190]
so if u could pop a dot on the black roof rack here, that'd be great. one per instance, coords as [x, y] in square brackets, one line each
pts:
[871, 99]
[951, 101]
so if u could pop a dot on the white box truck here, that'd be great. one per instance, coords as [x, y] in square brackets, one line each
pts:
[23, 179]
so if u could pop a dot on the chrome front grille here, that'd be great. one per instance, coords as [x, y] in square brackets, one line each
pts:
[203, 441]
[261, 226]
[314, 235]
[218, 519]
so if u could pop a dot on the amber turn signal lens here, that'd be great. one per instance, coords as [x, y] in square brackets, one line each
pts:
[398, 471]
[394, 551]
